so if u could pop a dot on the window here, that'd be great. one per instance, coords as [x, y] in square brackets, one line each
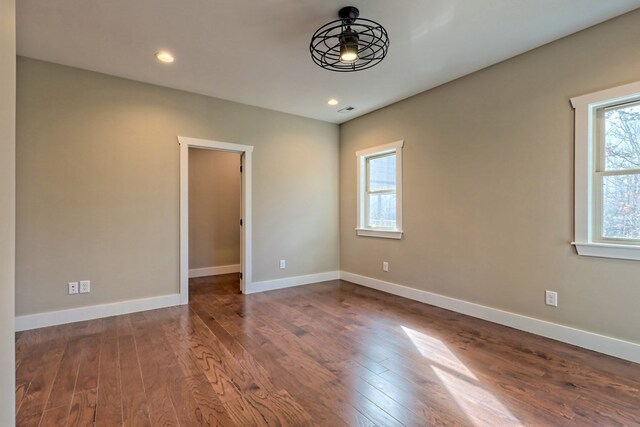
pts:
[380, 191]
[607, 215]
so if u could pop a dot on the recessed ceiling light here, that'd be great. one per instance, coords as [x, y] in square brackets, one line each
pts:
[332, 102]
[164, 56]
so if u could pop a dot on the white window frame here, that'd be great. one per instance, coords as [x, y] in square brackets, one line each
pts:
[362, 156]
[587, 203]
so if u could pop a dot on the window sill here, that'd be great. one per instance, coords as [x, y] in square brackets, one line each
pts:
[385, 234]
[608, 250]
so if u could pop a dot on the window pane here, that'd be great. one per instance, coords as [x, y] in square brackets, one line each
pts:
[621, 206]
[382, 210]
[622, 137]
[382, 173]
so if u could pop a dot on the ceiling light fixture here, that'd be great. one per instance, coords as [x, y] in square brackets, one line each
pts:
[349, 43]
[164, 56]
[332, 102]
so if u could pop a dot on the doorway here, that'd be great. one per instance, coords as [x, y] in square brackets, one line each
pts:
[214, 213]
[245, 152]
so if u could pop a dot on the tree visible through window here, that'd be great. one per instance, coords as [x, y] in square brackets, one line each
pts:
[619, 170]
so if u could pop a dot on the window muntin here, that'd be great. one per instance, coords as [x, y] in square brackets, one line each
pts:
[617, 174]
[379, 203]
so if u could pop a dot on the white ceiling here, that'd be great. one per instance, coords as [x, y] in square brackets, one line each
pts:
[257, 51]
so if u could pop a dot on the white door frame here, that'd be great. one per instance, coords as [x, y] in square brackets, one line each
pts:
[245, 235]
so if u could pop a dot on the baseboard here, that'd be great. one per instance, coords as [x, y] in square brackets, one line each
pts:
[214, 271]
[603, 344]
[612, 346]
[288, 282]
[51, 318]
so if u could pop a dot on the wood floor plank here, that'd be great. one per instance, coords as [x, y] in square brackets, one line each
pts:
[55, 417]
[268, 410]
[22, 388]
[40, 368]
[212, 409]
[197, 358]
[604, 414]
[419, 400]
[109, 398]
[135, 409]
[159, 372]
[327, 354]
[339, 410]
[304, 393]
[110, 329]
[83, 409]
[65, 381]
[161, 409]
[187, 409]
[123, 325]
[88, 371]
[216, 359]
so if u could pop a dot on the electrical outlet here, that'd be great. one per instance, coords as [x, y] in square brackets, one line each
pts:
[385, 266]
[283, 264]
[551, 298]
[85, 286]
[73, 288]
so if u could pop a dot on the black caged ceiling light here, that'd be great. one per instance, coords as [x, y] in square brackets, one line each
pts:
[349, 43]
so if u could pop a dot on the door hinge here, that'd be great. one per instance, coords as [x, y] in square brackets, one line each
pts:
[240, 275]
[240, 222]
[240, 168]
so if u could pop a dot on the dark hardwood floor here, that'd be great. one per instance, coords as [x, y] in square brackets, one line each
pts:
[331, 354]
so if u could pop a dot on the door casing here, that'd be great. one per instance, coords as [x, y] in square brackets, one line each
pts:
[245, 209]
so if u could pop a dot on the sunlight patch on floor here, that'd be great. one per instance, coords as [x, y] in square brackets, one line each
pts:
[435, 350]
[480, 406]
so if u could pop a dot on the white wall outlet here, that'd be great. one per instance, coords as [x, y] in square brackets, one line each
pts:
[283, 264]
[85, 286]
[385, 266]
[551, 298]
[73, 288]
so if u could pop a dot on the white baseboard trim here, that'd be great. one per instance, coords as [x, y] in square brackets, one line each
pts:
[214, 271]
[612, 346]
[288, 282]
[51, 318]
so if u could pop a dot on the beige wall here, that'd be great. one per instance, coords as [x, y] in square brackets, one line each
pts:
[98, 172]
[214, 208]
[488, 180]
[7, 209]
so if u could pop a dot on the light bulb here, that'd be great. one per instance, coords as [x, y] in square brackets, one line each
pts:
[348, 55]
[348, 46]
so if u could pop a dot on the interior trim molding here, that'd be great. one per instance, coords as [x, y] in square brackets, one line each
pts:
[289, 282]
[602, 344]
[79, 314]
[214, 271]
